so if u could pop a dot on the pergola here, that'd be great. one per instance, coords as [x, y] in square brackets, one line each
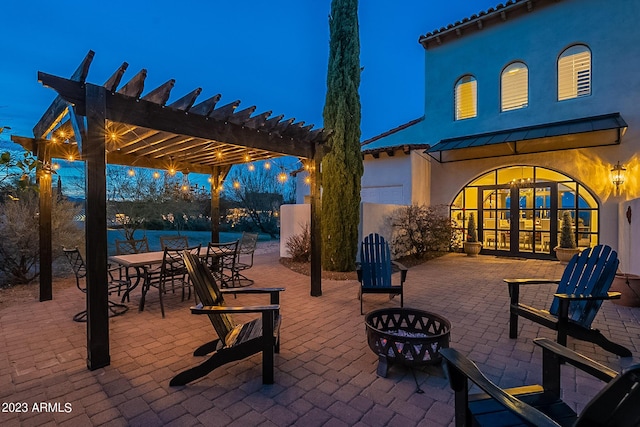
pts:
[113, 124]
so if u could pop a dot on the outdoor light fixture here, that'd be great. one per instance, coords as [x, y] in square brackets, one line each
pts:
[131, 172]
[617, 174]
[156, 174]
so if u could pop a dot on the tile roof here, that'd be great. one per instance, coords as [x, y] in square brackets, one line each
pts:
[477, 21]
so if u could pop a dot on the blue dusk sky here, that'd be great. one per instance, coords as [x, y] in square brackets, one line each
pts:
[271, 54]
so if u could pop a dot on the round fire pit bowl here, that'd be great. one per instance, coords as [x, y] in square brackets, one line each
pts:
[407, 336]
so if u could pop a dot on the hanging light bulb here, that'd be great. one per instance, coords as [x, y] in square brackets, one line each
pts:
[156, 174]
[267, 165]
[282, 176]
[251, 167]
[236, 184]
[131, 172]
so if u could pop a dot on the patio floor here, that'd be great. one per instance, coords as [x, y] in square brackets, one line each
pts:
[325, 373]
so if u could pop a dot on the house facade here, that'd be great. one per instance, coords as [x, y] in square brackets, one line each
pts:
[530, 108]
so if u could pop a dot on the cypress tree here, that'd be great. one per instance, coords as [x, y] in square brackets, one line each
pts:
[342, 167]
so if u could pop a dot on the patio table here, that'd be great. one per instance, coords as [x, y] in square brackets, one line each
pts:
[142, 263]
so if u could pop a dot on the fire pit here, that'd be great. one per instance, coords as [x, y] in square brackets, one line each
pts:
[407, 336]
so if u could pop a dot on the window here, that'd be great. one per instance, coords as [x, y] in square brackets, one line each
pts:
[574, 72]
[515, 87]
[466, 98]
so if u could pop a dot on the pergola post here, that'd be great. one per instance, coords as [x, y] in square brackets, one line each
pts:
[94, 154]
[215, 204]
[316, 223]
[44, 229]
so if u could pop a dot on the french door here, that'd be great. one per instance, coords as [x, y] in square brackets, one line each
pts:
[519, 219]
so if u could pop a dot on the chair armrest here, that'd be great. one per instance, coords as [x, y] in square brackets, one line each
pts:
[274, 292]
[208, 309]
[581, 362]
[532, 281]
[460, 369]
[403, 270]
[514, 286]
[251, 290]
[579, 297]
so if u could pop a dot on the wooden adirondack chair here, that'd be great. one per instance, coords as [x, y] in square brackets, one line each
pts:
[235, 341]
[375, 268]
[581, 291]
[616, 405]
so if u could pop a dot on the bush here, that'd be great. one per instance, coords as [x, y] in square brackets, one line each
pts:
[19, 228]
[418, 230]
[299, 245]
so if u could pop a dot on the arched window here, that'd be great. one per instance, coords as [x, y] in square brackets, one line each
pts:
[574, 72]
[514, 87]
[466, 98]
[518, 210]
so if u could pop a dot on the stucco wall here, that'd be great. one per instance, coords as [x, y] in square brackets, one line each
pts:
[630, 237]
[292, 221]
[537, 39]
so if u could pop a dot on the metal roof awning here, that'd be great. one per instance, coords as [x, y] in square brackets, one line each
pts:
[585, 132]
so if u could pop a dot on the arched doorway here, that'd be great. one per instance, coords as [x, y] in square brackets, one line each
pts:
[518, 210]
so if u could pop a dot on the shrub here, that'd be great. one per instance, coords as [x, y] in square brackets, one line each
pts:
[567, 237]
[19, 228]
[418, 230]
[299, 245]
[472, 234]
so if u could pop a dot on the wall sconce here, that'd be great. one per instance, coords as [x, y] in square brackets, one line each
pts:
[617, 174]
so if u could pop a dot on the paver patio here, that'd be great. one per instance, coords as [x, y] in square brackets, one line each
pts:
[325, 373]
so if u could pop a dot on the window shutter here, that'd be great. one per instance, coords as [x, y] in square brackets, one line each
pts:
[574, 73]
[466, 98]
[515, 87]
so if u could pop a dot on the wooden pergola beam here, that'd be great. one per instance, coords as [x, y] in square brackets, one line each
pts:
[137, 112]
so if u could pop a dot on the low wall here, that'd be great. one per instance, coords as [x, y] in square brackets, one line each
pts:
[292, 221]
[373, 219]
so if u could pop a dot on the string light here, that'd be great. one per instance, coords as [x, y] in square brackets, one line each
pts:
[267, 165]
[236, 184]
[156, 174]
[56, 166]
[251, 167]
[172, 171]
[131, 172]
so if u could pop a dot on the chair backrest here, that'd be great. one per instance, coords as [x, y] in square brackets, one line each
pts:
[208, 292]
[588, 273]
[133, 246]
[224, 254]
[375, 261]
[174, 242]
[248, 243]
[173, 261]
[616, 404]
[77, 264]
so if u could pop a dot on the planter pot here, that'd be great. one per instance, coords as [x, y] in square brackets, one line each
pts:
[472, 248]
[564, 255]
[629, 286]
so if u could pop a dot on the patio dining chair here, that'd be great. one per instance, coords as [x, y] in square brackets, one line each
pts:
[244, 259]
[221, 259]
[132, 246]
[116, 283]
[172, 270]
[174, 242]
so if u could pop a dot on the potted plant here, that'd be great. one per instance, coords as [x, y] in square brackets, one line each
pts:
[567, 247]
[471, 245]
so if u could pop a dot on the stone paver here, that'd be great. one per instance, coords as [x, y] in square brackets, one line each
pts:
[325, 373]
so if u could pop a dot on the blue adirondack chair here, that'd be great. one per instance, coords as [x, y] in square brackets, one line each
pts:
[583, 287]
[375, 269]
